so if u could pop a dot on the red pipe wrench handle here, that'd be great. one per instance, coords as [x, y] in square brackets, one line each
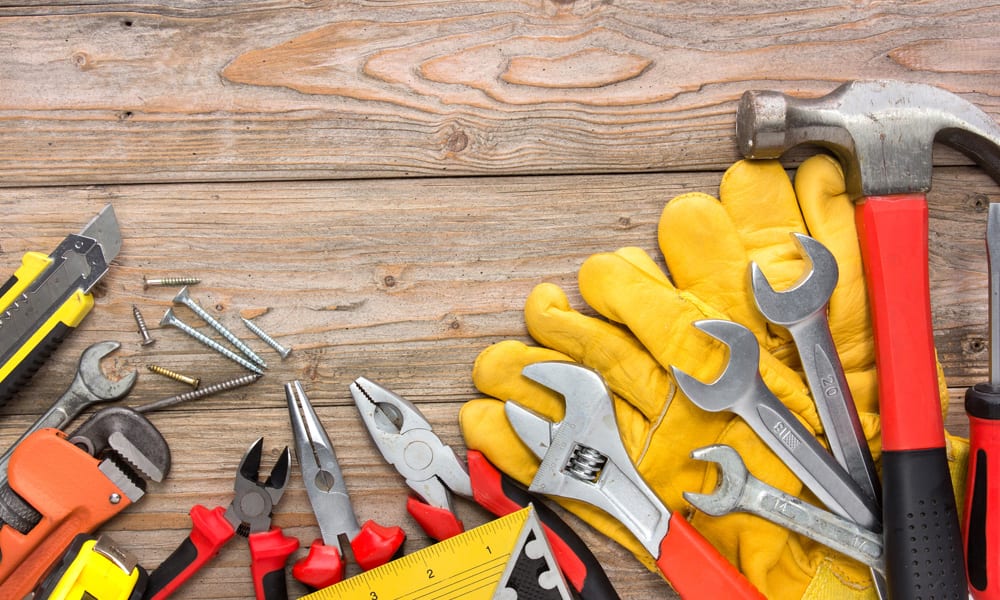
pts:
[917, 491]
[694, 567]
[210, 531]
[269, 551]
[981, 524]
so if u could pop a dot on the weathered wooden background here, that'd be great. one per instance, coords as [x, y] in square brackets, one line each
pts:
[383, 183]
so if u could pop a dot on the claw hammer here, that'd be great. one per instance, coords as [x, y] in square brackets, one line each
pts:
[883, 133]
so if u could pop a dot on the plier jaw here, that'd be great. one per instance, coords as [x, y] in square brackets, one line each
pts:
[372, 544]
[253, 502]
[407, 441]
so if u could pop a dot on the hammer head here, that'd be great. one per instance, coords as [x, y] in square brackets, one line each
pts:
[882, 131]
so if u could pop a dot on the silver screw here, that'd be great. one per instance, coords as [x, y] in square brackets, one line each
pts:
[114, 498]
[169, 319]
[191, 381]
[184, 297]
[215, 388]
[270, 341]
[143, 330]
[171, 281]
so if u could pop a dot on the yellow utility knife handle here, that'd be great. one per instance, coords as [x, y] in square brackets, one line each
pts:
[19, 368]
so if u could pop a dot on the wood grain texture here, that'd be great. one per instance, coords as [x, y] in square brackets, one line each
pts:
[278, 90]
[402, 281]
[380, 184]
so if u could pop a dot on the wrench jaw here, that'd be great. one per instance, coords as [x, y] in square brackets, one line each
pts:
[732, 480]
[731, 384]
[807, 296]
[584, 459]
[98, 385]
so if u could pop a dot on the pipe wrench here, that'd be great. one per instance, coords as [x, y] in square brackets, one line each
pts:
[72, 484]
[583, 458]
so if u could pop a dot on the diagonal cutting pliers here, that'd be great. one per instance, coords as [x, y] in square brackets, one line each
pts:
[371, 544]
[435, 474]
[249, 516]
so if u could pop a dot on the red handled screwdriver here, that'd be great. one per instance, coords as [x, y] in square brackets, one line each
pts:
[981, 523]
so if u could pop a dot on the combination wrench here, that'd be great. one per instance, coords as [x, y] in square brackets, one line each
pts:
[90, 386]
[741, 390]
[802, 310]
[739, 491]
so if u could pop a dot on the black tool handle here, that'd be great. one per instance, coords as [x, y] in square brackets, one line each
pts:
[25, 370]
[923, 541]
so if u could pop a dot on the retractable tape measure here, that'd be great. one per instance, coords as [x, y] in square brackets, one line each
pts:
[505, 559]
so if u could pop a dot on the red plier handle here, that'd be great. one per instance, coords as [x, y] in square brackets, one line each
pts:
[374, 546]
[210, 531]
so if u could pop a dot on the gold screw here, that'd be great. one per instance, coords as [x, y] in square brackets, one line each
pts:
[191, 381]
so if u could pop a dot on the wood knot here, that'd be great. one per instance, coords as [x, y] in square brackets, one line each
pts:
[457, 141]
[976, 345]
[81, 60]
[389, 281]
[125, 115]
[980, 203]
[624, 223]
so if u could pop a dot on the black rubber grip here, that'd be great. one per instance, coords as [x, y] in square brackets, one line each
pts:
[171, 568]
[274, 586]
[24, 371]
[923, 540]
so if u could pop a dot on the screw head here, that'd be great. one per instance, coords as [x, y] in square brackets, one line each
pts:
[168, 318]
[182, 296]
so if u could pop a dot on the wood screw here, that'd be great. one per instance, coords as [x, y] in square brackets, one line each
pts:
[270, 341]
[184, 297]
[143, 330]
[171, 320]
[191, 381]
[169, 281]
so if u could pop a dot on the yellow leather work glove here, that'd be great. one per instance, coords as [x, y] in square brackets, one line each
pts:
[646, 327]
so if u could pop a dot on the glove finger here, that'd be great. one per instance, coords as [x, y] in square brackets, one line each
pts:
[661, 319]
[760, 200]
[608, 348]
[706, 257]
[829, 215]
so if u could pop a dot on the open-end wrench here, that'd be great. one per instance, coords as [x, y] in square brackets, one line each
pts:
[740, 390]
[89, 387]
[739, 491]
[802, 310]
[583, 458]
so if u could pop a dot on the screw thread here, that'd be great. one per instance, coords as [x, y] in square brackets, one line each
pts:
[170, 281]
[191, 381]
[270, 341]
[216, 325]
[210, 390]
[210, 343]
[143, 329]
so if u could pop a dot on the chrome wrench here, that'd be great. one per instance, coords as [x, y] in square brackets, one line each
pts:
[740, 390]
[802, 310]
[739, 491]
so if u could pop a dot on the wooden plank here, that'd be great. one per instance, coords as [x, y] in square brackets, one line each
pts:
[162, 92]
[403, 281]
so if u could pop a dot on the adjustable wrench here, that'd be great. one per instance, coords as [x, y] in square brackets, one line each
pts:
[89, 387]
[802, 310]
[740, 389]
[739, 491]
[583, 458]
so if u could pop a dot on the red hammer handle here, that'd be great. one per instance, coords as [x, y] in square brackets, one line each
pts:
[923, 541]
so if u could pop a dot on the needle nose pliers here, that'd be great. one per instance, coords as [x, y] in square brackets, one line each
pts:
[435, 474]
[372, 544]
[249, 516]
